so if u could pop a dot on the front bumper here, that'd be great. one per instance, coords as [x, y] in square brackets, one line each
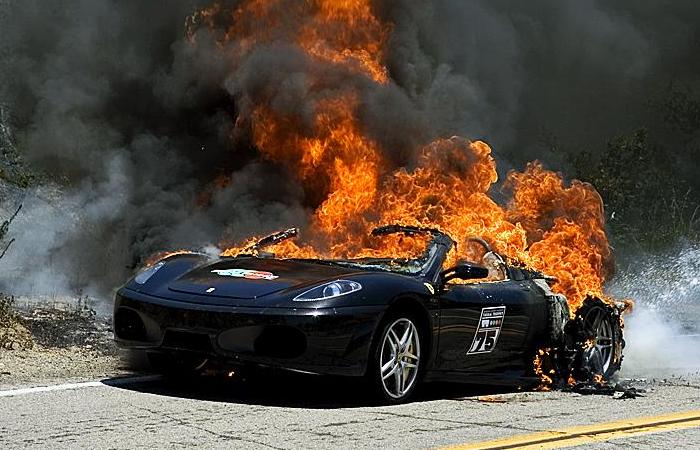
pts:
[334, 341]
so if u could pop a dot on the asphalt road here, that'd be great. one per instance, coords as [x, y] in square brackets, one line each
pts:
[312, 412]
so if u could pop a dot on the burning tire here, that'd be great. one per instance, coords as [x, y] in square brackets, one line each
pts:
[396, 365]
[599, 340]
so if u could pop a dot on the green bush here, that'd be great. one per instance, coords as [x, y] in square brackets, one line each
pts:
[647, 204]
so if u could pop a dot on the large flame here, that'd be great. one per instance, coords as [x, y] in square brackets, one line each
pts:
[548, 225]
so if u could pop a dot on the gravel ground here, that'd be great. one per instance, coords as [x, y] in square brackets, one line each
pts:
[309, 412]
[68, 345]
[41, 365]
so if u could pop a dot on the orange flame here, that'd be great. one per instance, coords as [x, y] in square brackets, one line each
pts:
[545, 378]
[549, 225]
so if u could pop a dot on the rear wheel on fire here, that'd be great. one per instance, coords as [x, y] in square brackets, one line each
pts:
[395, 321]
[598, 331]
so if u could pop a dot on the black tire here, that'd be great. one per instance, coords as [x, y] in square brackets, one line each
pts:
[179, 365]
[599, 341]
[386, 384]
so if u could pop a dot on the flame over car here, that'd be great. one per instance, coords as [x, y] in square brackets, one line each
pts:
[555, 227]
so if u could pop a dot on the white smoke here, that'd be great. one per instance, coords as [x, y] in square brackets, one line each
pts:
[663, 331]
[49, 216]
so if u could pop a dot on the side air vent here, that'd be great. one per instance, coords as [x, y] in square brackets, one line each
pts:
[129, 326]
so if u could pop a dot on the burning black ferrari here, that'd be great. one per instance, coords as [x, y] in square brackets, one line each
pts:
[395, 321]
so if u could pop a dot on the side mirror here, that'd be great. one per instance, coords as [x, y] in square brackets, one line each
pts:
[464, 271]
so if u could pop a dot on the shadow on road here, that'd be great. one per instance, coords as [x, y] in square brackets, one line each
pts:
[279, 388]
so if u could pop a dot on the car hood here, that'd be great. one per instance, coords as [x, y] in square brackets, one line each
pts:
[250, 278]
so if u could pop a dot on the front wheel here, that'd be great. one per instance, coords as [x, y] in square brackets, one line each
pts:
[397, 363]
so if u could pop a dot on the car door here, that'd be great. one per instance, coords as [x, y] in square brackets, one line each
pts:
[485, 327]
[523, 309]
[460, 313]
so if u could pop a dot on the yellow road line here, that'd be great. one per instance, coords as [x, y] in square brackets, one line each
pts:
[586, 434]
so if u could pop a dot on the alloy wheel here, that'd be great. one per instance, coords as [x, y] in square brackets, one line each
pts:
[599, 350]
[399, 358]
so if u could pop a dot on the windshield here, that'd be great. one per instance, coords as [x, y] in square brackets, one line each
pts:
[406, 266]
[392, 248]
[401, 249]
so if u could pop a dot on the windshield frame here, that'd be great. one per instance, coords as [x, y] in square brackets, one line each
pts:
[434, 254]
[271, 239]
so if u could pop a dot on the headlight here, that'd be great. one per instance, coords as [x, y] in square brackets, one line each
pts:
[329, 290]
[142, 277]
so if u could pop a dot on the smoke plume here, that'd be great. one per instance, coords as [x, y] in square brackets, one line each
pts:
[134, 126]
[662, 332]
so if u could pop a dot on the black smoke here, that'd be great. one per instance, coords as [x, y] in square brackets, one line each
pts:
[110, 102]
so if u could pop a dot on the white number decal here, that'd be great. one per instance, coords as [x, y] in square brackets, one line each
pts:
[489, 329]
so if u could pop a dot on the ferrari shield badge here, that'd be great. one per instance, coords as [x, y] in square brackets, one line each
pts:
[246, 273]
[489, 329]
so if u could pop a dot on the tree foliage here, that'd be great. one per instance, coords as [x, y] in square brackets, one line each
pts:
[647, 203]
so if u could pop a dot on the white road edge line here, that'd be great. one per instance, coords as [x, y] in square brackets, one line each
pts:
[106, 382]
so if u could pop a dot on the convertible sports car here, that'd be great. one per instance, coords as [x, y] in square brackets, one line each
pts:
[397, 322]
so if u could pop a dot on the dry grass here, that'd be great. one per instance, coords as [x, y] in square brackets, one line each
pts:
[13, 332]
